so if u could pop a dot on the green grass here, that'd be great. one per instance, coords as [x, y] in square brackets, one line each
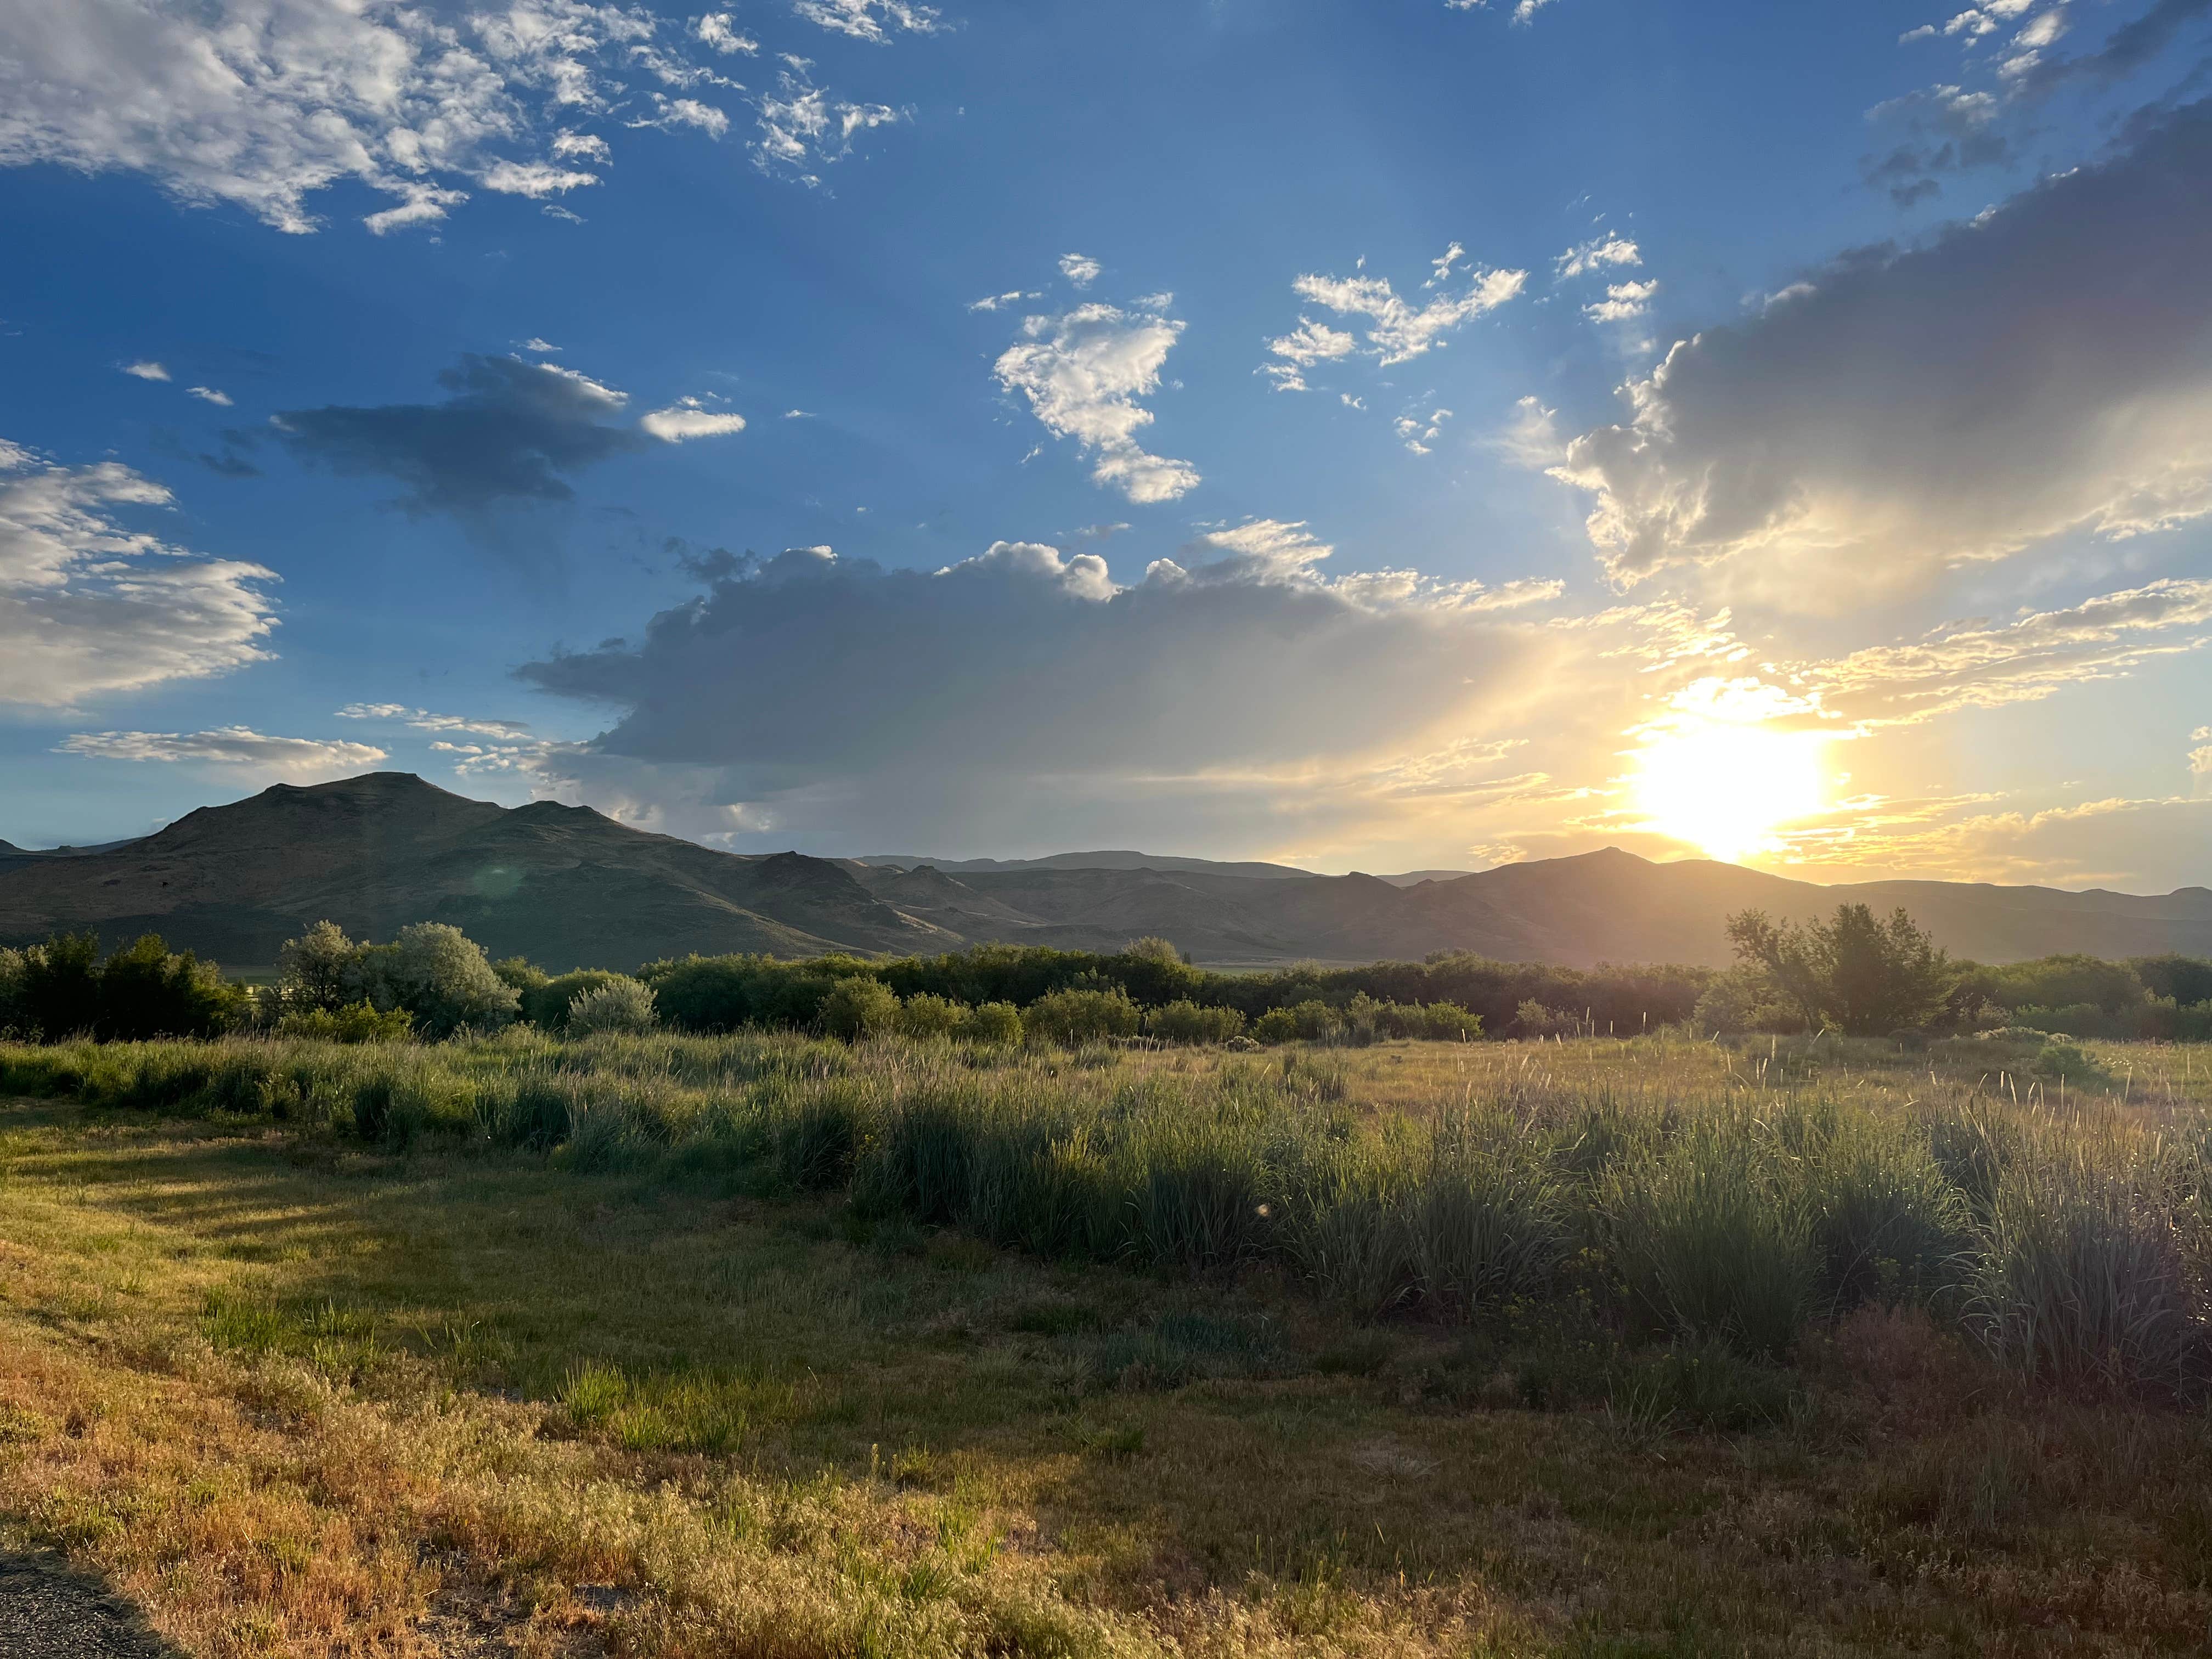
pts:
[906, 1349]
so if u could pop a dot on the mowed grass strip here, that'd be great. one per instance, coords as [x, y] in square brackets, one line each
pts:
[291, 1394]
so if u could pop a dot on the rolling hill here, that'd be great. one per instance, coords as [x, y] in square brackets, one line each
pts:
[568, 887]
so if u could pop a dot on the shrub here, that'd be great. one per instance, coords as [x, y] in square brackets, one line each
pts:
[1071, 1019]
[1186, 1021]
[545, 1004]
[1312, 1021]
[923, 1015]
[439, 975]
[358, 1021]
[857, 1008]
[621, 1006]
[995, 1024]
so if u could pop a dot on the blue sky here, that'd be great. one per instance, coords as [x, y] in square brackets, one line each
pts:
[1408, 434]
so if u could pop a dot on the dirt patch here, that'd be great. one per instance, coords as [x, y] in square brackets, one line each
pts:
[46, 1612]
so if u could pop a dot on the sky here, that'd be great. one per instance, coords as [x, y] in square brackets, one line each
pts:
[1376, 434]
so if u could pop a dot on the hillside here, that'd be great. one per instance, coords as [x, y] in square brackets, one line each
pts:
[566, 886]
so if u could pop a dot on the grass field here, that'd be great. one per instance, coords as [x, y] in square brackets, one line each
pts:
[756, 1346]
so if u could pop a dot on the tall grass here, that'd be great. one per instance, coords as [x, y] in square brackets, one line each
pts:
[2077, 1250]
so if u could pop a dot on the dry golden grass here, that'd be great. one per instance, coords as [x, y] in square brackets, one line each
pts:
[290, 1397]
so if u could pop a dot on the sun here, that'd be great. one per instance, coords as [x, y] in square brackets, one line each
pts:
[1726, 786]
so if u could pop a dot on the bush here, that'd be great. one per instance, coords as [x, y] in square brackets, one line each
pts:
[1071, 1019]
[856, 1008]
[1186, 1021]
[434, 972]
[1865, 976]
[925, 1015]
[545, 1004]
[1312, 1021]
[359, 1022]
[620, 1006]
[995, 1024]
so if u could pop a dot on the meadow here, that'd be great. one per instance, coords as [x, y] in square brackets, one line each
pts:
[760, 1343]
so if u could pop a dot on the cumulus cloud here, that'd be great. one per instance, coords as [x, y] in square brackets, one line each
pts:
[1596, 254]
[1000, 301]
[263, 103]
[1079, 268]
[688, 418]
[88, 607]
[232, 748]
[510, 431]
[866, 19]
[1083, 373]
[802, 126]
[1957, 401]
[207, 394]
[1235, 660]
[1623, 302]
[1398, 331]
[146, 370]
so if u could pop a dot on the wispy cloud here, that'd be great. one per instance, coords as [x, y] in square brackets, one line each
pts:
[233, 749]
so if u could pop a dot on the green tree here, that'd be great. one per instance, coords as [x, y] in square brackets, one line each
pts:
[321, 969]
[59, 995]
[1862, 975]
[147, 990]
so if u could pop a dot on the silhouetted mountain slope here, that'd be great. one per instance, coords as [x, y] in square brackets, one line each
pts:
[568, 887]
[561, 884]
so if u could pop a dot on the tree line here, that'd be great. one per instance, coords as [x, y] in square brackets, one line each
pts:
[1854, 972]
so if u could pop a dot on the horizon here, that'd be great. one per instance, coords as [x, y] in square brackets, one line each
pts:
[843, 425]
[944, 860]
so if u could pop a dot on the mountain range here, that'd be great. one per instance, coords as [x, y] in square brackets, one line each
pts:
[570, 887]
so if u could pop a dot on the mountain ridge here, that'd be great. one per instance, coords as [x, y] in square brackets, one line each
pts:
[568, 887]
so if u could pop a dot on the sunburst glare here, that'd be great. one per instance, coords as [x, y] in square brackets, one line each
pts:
[1727, 786]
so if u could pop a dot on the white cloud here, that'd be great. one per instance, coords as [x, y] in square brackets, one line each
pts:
[1311, 343]
[671, 113]
[804, 126]
[1082, 374]
[146, 370]
[1623, 301]
[89, 607]
[233, 749]
[689, 417]
[1080, 269]
[1957, 401]
[263, 103]
[1419, 432]
[581, 147]
[1442, 265]
[1596, 254]
[1398, 332]
[1977, 664]
[421, 719]
[798, 414]
[207, 394]
[541, 347]
[1000, 301]
[719, 30]
[864, 20]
